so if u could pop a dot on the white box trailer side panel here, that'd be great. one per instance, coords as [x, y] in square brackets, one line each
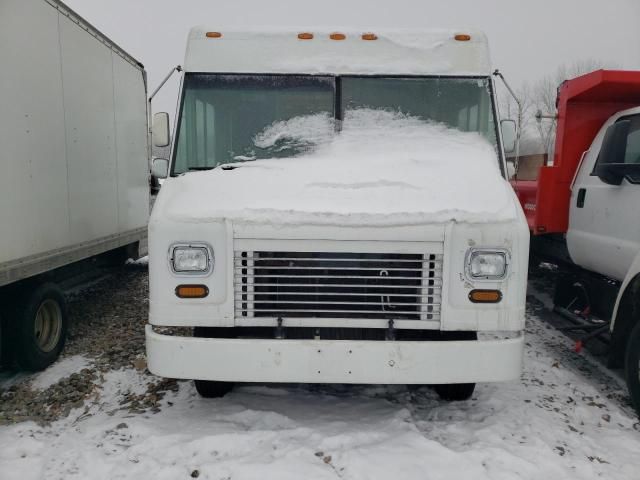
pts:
[87, 73]
[131, 127]
[73, 116]
[33, 183]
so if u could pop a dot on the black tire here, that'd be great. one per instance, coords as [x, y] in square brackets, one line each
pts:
[38, 322]
[455, 391]
[5, 358]
[211, 389]
[632, 367]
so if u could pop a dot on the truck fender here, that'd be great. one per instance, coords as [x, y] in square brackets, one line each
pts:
[626, 313]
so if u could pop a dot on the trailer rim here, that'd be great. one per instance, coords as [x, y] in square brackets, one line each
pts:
[48, 325]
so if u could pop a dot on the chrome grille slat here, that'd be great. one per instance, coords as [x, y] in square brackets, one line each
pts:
[341, 277]
[405, 286]
[338, 294]
[437, 284]
[306, 310]
[283, 267]
[308, 302]
[311, 259]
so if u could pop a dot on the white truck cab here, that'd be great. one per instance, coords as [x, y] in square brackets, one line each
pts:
[336, 212]
[604, 233]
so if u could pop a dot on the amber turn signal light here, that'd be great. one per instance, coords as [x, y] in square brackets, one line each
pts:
[192, 291]
[485, 296]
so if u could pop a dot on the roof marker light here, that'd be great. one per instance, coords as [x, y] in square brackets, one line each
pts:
[337, 36]
[213, 35]
[462, 37]
[305, 36]
[369, 36]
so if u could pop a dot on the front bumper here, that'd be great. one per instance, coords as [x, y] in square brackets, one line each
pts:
[334, 361]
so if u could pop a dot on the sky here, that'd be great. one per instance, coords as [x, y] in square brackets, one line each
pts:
[528, 38]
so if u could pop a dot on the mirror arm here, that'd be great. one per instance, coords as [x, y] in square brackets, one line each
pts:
[177, 68]
[498, 73]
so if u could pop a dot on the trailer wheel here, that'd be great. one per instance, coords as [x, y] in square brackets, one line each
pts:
[455, 391]
[632, 367]
[39, 326]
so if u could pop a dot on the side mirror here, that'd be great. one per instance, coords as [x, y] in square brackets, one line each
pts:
[610, 163]
[160, 168]
[509, 135]
[160, 130]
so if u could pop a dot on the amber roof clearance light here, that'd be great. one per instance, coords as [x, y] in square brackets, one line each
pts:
[462, 37]
[213, 35]
[337, 36]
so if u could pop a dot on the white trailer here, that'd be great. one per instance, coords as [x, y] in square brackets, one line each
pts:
[355, 224]
[74, 161]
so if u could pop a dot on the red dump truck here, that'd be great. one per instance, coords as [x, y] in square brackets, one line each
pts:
[583, 211]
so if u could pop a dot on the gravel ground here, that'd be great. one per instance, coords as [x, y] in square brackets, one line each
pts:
[107, 323]
[107, 329]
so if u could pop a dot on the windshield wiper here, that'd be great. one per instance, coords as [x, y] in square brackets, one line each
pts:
[200, 168]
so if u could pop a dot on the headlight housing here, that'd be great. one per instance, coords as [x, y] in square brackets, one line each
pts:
[487, 264]
[196, 259]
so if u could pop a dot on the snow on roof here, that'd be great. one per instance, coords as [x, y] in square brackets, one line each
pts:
[383, 169]
[408, 52]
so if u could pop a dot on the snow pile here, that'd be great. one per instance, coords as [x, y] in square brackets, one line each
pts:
[383, 169]
[142, 261]
[297, 133]
[59, 370]
[118, 383]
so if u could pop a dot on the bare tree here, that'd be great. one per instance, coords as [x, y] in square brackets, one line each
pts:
[509, 108]
[544, 93]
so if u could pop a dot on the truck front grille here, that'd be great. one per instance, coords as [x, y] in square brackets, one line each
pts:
[337, 285]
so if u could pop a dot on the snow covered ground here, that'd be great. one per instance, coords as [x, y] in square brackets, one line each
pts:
[566, 418]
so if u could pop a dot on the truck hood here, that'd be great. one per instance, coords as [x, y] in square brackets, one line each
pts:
[383, 169]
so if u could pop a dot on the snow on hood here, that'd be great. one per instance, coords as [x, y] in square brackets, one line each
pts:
[383, 169]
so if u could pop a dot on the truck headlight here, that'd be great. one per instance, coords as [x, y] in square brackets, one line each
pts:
[487, 264]
[196, 259]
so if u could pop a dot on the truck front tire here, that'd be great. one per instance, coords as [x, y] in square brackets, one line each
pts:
[38, 323]
[211, 389]
[208, 388]
[455, 391]
[632, 366]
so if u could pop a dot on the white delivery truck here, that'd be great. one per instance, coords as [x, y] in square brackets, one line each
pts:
[74, 161]
[336, 211]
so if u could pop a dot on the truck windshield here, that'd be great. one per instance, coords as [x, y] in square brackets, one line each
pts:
[463, 104]
[223, 117]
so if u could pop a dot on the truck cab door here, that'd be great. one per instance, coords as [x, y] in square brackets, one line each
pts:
[604, 217]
